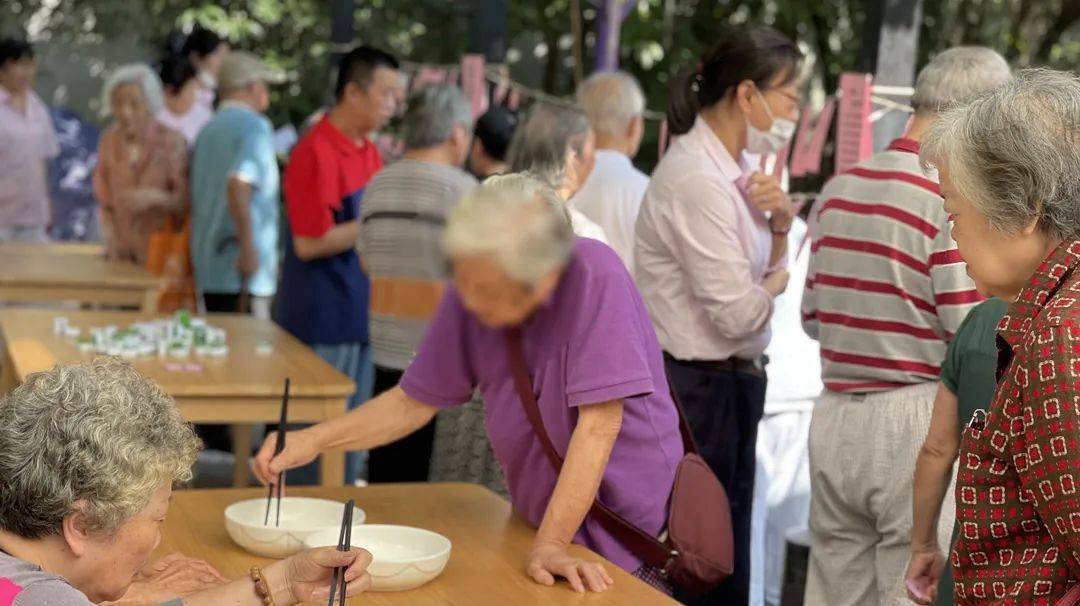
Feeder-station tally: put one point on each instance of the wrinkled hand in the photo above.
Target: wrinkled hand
(924, 571)
(300, 449)
(173, 576)
(765, 194)
(776, 282)
(548, 561)
(309, 573)
(247, 263)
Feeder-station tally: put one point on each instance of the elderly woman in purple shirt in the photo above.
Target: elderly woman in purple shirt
(596, 367)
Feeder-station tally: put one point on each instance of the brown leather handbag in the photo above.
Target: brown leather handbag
(698, 552)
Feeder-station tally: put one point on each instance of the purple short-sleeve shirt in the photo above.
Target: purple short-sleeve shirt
(592, 342)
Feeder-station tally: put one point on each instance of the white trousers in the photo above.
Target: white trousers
(862, 459)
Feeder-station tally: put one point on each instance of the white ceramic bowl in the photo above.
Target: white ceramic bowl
(300, 518)
(404, 557)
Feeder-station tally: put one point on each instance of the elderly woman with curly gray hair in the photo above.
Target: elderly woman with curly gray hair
(1009, 166)
(89, 455)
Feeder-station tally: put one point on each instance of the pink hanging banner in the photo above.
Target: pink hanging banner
(513, 100)
(474, 84)
(427, 75)
(821, 136)
(810, 142)
(502, 87)
(853, 135)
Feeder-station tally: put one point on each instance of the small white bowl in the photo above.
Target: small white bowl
(300, 518)
(404, 557)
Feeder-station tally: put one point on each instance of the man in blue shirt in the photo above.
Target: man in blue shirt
(235, 190)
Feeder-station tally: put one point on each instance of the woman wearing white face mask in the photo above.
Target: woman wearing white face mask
(710, 250)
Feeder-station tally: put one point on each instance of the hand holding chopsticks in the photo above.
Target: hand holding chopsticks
(344, 544)
(279, 446)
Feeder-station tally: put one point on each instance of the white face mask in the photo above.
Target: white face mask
(769, 141)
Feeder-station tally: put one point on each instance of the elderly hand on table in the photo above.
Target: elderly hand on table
(173, 576)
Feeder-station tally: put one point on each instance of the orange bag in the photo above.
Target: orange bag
(168, 256)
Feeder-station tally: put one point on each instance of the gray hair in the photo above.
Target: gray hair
(1014, 152)
(542, 143)
(432, 114)
(956, 75)
(611, 100)
(140, 75)
(98, 438)
(519, 220)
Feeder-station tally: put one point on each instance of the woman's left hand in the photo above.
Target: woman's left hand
(765, 193)
(547, 561)
(308, 573)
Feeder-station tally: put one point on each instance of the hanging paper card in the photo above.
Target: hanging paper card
(854, 141)
(474, 84)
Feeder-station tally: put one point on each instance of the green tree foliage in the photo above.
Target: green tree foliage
(659, 37)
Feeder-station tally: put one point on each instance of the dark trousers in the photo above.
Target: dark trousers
(408, 459)
(723, 408)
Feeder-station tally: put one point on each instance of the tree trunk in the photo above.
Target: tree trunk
(1070, 14)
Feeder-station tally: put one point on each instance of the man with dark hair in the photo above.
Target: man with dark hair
(493, 133)
(323, 298)
(27, 143)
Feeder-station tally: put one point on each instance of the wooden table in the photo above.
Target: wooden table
(72, 272)
(242, 388)
(486, 565)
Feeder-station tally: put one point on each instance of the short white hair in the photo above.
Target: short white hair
(139, 74)
(611, 100)
(957, 75)
(518, 220)
(1014, 152)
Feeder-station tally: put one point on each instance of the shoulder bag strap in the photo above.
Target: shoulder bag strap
(647, 547)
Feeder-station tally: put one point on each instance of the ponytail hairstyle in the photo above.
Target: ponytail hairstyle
(201, 42)
(176, 71)
(759, 54)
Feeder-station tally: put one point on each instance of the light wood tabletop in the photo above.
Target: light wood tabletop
(72, 272)
(487, 560)
(242, 388)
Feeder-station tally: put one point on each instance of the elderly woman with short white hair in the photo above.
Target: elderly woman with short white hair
(1009, 167)
(89, 454)
(521, 282)
(141, 179)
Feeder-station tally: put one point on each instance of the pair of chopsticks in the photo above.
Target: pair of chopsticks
(344, 544)
(279, 445)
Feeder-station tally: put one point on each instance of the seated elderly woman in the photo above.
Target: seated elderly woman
(557, 145)
(1009, 166)
(596, 368)
(140, 180)
(89, 454)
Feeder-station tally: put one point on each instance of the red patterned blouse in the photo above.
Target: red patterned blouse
(1017, 505)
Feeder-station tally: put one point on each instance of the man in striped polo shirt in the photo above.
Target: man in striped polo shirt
(885, 292)
(402, 219)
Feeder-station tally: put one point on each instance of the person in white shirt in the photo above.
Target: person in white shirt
(557, 145)
(611, 197)
(182, 110)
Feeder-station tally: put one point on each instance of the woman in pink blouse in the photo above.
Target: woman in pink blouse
(709, 255)
(140, 181)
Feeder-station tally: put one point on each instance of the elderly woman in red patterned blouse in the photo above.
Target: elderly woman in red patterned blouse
(1009, 164)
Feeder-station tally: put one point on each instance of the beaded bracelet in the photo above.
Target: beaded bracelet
(261, 588)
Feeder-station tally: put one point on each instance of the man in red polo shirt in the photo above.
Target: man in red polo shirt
(323, 298)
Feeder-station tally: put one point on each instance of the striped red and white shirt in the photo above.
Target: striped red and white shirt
(886, 288)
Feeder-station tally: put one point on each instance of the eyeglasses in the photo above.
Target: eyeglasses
(793, 97)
